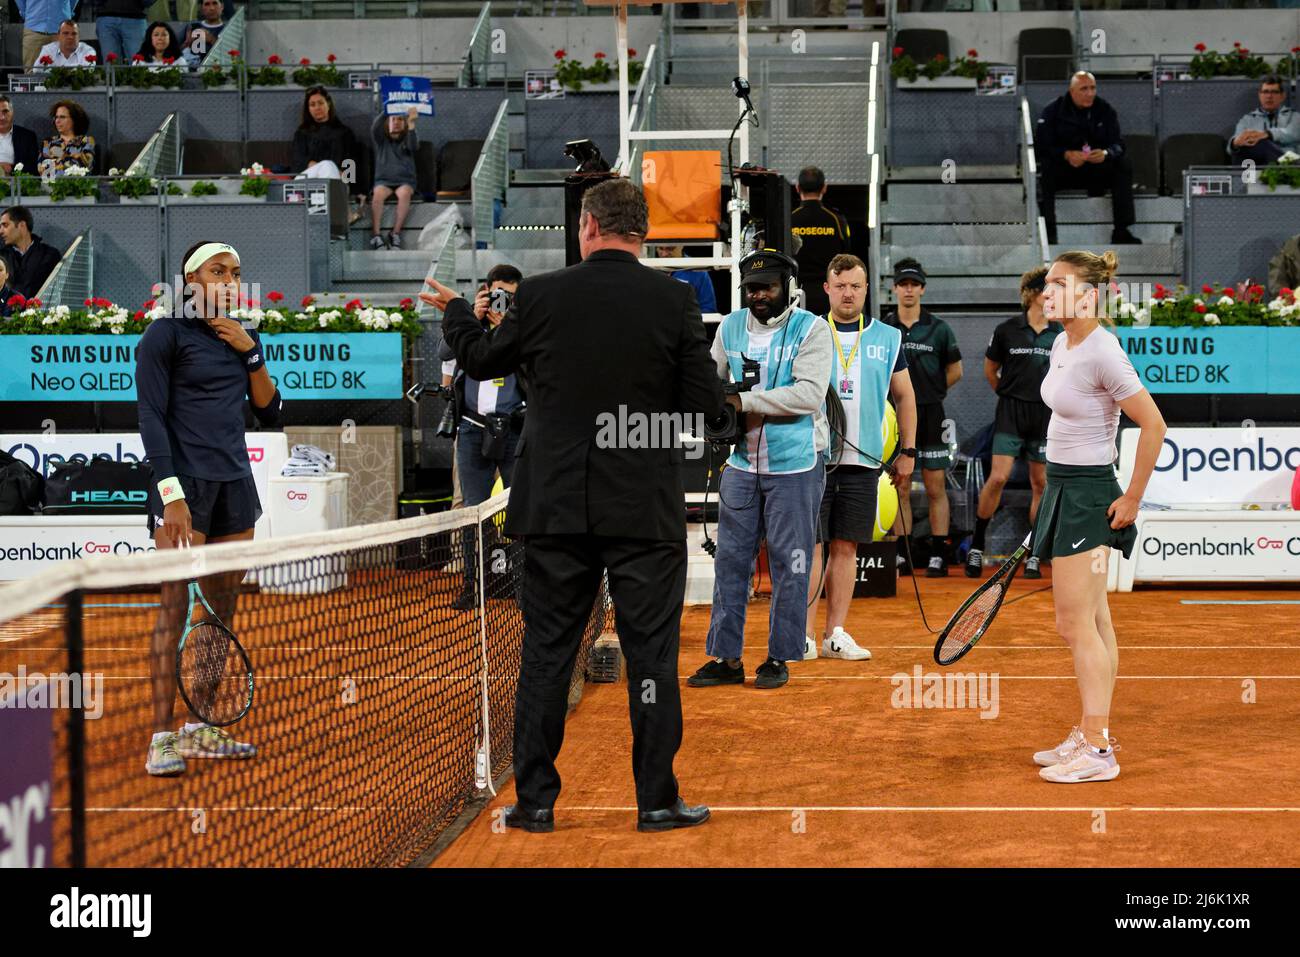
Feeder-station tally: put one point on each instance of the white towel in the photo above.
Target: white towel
(308, 460)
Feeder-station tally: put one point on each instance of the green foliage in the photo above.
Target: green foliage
(203, 188)
(255, 185)
(69, 187)
(134, 187)
(73, 77)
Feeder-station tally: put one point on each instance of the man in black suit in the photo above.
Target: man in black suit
(18, 144)
(605, 341)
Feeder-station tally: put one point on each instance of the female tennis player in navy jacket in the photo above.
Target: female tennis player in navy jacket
(1084, 513)
(193, 371)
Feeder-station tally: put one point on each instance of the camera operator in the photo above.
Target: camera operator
(774, 479)
(488, 420)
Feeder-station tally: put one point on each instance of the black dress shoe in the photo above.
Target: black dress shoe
(1122, 237)
(538, 822)
(679, 815)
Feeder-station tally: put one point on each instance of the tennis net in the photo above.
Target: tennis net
(381, 709)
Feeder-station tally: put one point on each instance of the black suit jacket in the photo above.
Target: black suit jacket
(27, 149)
(606, 334)
(30, 270)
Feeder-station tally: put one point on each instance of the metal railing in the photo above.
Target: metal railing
(161, 155)
(1029, 179)
(641, 114)
(879, 164)
(478, 55)
(72, 281)
(231, 38)
(490, 177)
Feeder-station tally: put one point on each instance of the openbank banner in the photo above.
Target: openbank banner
(1238, 359)
(30, 544)
(304, 365)
(1231, 465)
(1200, 550)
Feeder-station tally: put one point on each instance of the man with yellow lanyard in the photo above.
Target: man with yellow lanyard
(869, 368)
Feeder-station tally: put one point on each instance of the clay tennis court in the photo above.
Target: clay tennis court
(826, 772)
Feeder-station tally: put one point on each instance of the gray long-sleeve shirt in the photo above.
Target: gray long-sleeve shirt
(1284, 130)
(811, 371)
(394, 159)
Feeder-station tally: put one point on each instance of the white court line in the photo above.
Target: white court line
(155, 810)
(937, 809)
(793, 677)
(1199, 601)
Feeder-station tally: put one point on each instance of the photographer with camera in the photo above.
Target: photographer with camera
(487, 419)
(778, 358)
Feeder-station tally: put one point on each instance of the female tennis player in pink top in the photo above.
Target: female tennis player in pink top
(1083, 512)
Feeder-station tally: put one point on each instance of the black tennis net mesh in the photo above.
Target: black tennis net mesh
(385, 658)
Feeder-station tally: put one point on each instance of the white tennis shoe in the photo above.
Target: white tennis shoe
(840, 644)
(1084, 765)
(809, 648)
(1045, 759)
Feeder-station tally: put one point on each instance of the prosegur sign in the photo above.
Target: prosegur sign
(101, 368)
(1252, 360)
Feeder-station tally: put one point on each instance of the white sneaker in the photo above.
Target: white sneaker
(1045, 759)
(840, 644)
(164, 760)
(809, 648)
(1084, 765)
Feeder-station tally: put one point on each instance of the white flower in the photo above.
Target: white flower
(1211, 319)
(1142, 315)
(96, 322)
(323, 321)
(381, 322)
(75, 171)
(244, 171)
(311, 308)
(49, 320)
(112, 172)
(395, 318)
(157, 312)
(62, 310)
(1126, 309)
(28, 313)
(258, 169)
(1225, 301)
(274, 314)
(115, 330)
(1199, 301)
(18, 167)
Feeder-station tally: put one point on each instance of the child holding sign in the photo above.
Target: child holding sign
(395, 145)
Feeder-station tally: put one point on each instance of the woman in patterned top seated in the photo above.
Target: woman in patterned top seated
(72, 145)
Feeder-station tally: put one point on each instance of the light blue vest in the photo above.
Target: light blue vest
(871, 370)
(783, 444)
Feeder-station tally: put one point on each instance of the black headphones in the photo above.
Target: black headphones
(787, 263)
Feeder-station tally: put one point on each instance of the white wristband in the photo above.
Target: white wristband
(170, 490)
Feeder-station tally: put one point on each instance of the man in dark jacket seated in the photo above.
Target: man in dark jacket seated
(18, 144)
(33, 259)
(1079, 146)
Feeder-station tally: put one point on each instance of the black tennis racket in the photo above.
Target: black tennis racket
(972, 619)
(212, 669)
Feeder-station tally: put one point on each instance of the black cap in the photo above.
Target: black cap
(909, 270)
(760, 268)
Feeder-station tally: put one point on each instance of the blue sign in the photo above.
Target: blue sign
(101, 368)
(1205, 360)
(399, 93)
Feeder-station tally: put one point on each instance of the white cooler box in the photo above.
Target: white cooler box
(300, 505)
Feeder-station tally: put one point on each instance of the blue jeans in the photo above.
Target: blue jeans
(119, 35)
(785, 508)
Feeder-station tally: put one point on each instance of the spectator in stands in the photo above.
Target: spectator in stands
(697, 279)
(396, 143)
(120, 27)
(824, 234)
(201, 35)
(934, 363)
(1079, 146)
(159, 48)
(71, 145)
(1284, 268)
(41, 21)
(6, 290)
(1265, 134)
(322, 145)
(67, 50)
(18, 145)
(32, 258)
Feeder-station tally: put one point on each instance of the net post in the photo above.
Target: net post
(77, 731)
(484, 757)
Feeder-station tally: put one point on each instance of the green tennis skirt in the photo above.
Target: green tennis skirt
(1072, 514)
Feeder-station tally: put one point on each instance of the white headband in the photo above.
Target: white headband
(206, 252)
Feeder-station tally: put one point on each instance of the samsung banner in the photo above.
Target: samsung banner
(1237, 359)
(101, 368)
(1242, 466)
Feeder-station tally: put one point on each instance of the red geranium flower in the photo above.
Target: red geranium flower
(112, 58)
(631, 52)
(898, 51)
(940, 57)
(972, 53)
(1242, 52)
(406, 304)
(1200, 48)
(1285, 291)
(234, 54)
(1229, 293)
(331, 58)
(1200, 307)
(88, 302)
(304, 62)
(560, 54)
(352, 304)
(169, 60)
(149, 304)
(307, 301)
(1256, 290)
(33, 302)
(94, 59)
(1207, 289)
(1295, 49)
(1160, 291)
(138, 58)
(16, 301)
(103, 302)
(274, 59)
(46, 60)
(139, 315)
(275, 296)
(1236, 43)
(600, 55)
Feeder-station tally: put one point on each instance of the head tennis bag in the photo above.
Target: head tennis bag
(98, 487)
